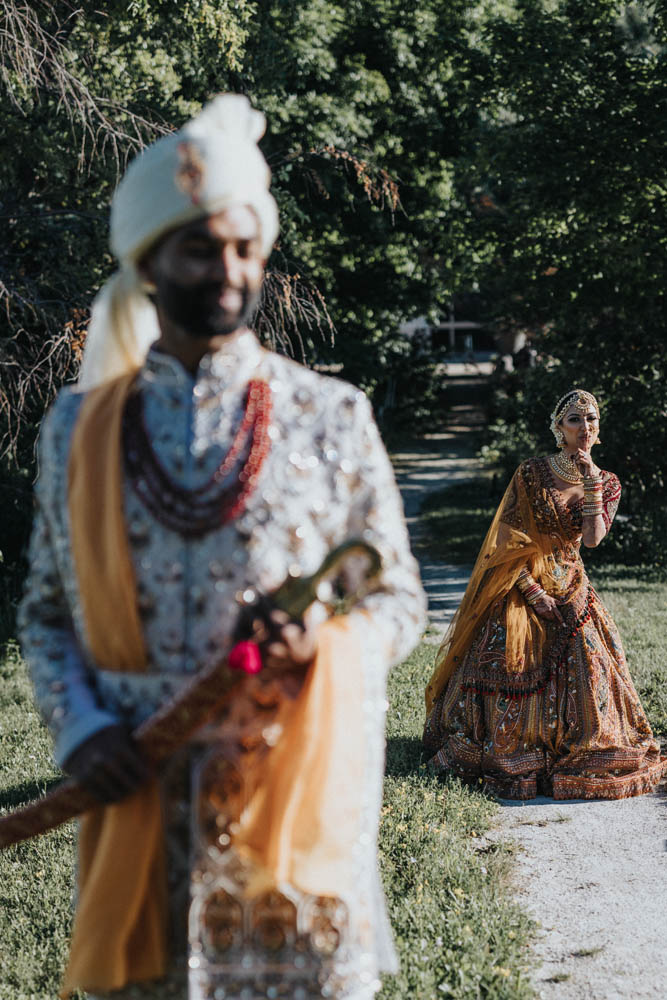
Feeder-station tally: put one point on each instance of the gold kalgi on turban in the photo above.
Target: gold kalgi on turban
(211, 164)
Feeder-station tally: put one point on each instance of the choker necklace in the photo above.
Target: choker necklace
(195, 512)
(565, 468)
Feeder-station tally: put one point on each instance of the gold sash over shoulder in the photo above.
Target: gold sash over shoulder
(302, 822)
(504, 553)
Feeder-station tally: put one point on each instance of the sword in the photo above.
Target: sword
(202, 698)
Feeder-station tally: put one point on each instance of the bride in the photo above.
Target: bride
(531, 691)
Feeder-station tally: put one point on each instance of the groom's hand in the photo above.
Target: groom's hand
(288, 648)
(108, 764)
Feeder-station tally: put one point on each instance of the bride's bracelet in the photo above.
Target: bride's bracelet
(530, 589)
(592, 496)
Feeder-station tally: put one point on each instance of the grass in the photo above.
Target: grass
(457, 930)
(455, 520)
(479, 948)
(457, 933)
(36, 876)
(636, 599)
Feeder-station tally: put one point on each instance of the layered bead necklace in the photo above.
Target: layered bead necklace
(565, 468)
(195, 512)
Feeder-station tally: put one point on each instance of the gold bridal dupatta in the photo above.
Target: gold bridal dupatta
(513, 541)
(303, 819)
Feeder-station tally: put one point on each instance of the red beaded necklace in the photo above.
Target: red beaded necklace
(195, 512)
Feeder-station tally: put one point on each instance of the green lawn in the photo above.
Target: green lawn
(36, 876)
(457, 930)
(637, 599)
(457, 933)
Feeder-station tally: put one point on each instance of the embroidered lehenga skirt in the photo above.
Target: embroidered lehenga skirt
(571, 725)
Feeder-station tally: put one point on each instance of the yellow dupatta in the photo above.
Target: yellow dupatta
(303, 820)
(513, 541)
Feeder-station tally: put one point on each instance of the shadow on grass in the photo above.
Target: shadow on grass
(455, 520)
(616, 575)
(404, 755)
(26, 791)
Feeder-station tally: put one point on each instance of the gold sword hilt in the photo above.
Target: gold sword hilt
(295, 595)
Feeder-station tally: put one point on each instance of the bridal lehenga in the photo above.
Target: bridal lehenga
(525, 705)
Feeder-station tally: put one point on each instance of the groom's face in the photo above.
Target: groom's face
(208, 273)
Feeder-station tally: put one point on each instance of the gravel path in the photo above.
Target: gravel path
(429, 465)
(592, 874)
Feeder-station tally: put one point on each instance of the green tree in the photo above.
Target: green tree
(512, 147)
(568, 171)
(366, 107)
(83, 91)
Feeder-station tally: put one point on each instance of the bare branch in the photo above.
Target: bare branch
(35, 362)
(33, 369)
(34, 60)
(289, 305)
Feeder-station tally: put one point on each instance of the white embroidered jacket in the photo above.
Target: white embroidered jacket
(327, 478)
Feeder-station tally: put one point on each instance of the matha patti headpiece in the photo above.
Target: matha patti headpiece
(577, 398)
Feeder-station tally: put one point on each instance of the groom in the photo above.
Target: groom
(189, 470)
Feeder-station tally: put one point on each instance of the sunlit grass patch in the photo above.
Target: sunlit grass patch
(637, 600)
(36, 877)
(458, 933)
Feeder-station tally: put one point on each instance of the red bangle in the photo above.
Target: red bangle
(245, 656)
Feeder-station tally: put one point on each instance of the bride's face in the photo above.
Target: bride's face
(580, 430)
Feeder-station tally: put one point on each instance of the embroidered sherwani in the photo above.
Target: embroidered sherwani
(326, 479)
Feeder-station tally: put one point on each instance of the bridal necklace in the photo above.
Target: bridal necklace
(194, 512)
(565, 468)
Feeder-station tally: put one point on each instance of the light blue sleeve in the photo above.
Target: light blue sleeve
(397, 604)
(64, 686)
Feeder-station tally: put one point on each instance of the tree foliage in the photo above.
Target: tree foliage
(571, 162)
(513, 148)
(364, 111)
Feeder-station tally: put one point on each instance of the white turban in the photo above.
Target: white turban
(213, 163)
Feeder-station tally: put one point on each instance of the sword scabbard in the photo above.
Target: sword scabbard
(203, 698)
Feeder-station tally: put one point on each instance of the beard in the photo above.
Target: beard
(197, 311)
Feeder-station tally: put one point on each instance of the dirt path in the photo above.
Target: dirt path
(592, 874)
(423, 467)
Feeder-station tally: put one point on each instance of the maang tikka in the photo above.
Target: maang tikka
(581, 402)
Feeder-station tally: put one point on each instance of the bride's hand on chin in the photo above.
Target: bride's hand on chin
(585, 463)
